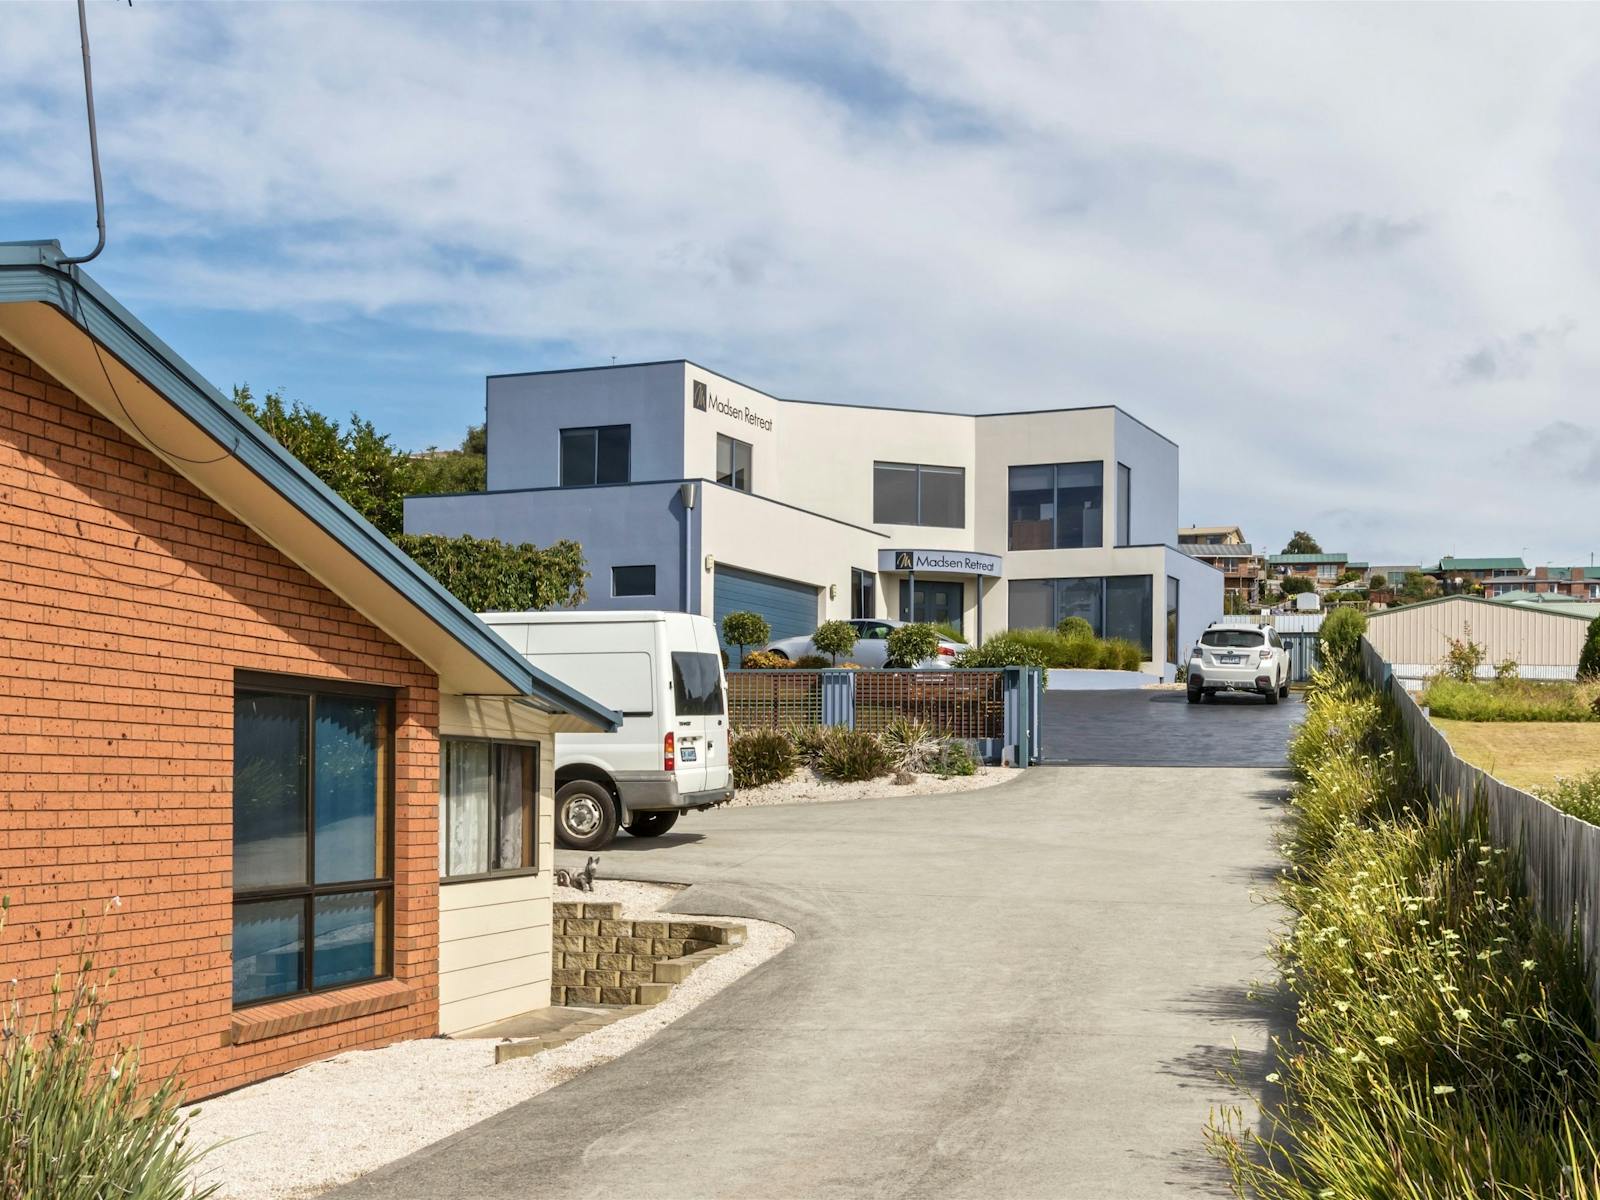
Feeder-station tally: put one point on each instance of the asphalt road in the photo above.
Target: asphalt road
(1161, 728)
(1027, 992)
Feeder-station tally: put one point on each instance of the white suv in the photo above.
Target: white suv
(1239, 658)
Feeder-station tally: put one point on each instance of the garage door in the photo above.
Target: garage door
(789, 607)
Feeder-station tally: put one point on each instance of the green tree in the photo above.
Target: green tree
(493, 576)
(910, 644)
(1589, 659)
(1302, 543)
(834, 638)
(1378, 582)
(436, 472)
(1293, 585)
(1416, 586)
(743, 629)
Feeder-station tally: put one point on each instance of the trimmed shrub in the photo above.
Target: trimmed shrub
(766, 660)
(1074, 627)
(1079, 653)
(1589, 658)
(1130, 655)
(910, 644)
(78, 1121)
(760, 756)
(1340, 639)
(492, 576)
(1512, 700)
(912, 745)
(834, 638)
(743, 629)
(811, 662)
(849, 755)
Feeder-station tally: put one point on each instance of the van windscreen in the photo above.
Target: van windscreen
(697, 684)
(1236, 639)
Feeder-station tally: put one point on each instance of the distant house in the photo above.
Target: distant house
(1322, 569)
(1224, 547)
(1468, 574)
(233, 705)
(1575, 583)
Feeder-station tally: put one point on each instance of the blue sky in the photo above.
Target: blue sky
(1345, 256)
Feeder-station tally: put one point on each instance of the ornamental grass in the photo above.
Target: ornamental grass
(1444, 1038)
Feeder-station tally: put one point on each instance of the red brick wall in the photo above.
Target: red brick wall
(127, 601)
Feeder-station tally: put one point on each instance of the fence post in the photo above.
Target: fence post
(1036, 707)
(839, 698)
(1019, 719)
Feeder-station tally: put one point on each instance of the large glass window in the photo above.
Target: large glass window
(488, 810)
(863, 602)
(1116, 606)
(599, 454)
(312, 809)
(733, 462)
(911, 494)
(1124, 505)
(1057, 506)
(1172, 620)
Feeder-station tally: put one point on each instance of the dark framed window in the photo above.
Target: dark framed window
(1124, 505)
(733, 463)
(488, 808)
(913, 494)
(863, 593)
(1172, 620)
(1057, 506)
(598, 454)
(697, 684)
(313, 820)
(1116, 606)
(634, 581)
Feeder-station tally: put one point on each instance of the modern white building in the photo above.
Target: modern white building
(689, 490)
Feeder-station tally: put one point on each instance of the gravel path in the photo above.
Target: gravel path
(329, 1122)
(805, 786)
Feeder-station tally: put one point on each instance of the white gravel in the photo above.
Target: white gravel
(805, 786)
(327, 1123)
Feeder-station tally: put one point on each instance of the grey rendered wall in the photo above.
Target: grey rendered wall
(1199, 600)
(616, 526)
(1154, 463)
(526, 414)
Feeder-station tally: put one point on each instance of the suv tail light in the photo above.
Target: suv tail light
(947, 651)
(1266, 654)
(669, 753)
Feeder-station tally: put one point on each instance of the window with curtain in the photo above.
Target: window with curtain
(913, 494)
(488, 808)
(312, 813)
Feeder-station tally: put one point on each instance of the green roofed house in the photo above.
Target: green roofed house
(1322, 569)
(1458, 574)
(1569, 583)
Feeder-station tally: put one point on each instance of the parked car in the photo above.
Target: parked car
(1239, 658)
(663, 672)
(872, 645)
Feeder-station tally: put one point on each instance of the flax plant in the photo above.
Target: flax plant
(75, 1122)
(1444, 1039)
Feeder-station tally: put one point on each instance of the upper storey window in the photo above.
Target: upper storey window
(1057, 506)
(911, 494)
(598, 454)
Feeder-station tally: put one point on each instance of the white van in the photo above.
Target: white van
(663, 672)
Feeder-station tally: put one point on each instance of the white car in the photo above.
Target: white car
(1239, 658)
(872, 645)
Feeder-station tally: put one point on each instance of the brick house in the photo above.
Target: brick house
(1224, 547)
(1575, 583)
(226, 700)
(1471, 574)
(1323, 570)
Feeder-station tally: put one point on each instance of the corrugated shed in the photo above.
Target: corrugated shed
(1417, 636)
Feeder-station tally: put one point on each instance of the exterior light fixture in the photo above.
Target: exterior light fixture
(711, 561)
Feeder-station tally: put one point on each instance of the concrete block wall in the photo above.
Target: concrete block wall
(601, 958)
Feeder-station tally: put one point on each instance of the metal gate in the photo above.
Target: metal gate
(1305, 654)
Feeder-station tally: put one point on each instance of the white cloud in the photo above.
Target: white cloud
(1302, 222)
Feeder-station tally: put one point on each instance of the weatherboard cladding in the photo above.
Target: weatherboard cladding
(27, 274)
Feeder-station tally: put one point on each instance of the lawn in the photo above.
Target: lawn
(1526, 754)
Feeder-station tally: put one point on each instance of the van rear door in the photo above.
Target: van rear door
(719, 771)
(698, 704)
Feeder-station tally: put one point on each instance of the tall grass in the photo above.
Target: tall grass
(1443, 1042)
(1577, 795)
(77, 1123)
(1512, 700)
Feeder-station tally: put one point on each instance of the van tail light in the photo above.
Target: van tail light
(947, 651)
(669, 753)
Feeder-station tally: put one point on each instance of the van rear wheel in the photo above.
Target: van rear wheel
(586, 815)
(651, 824)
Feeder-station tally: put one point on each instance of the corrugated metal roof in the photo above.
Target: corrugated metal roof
(1477, 564)
(1289, 560)
(1228, 550)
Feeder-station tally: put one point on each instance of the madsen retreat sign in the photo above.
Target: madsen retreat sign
(963, 562)
(706, 401)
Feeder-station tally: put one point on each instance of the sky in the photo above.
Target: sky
(1348, 257)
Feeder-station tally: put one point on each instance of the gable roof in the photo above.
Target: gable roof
(63, 320)
(1552, 609)
(1475, 564)
(1292, 560)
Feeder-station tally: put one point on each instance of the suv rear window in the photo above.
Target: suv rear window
(1236, 639)
(697, 684)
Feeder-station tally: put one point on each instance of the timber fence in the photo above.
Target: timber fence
(1560, 853)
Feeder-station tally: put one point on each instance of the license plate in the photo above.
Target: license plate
(1230, 659)
(687, 753)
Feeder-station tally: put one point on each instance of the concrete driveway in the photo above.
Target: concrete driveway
(1027, 992)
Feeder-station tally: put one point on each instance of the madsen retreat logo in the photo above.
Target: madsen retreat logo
(704, 401)
(903, 561)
